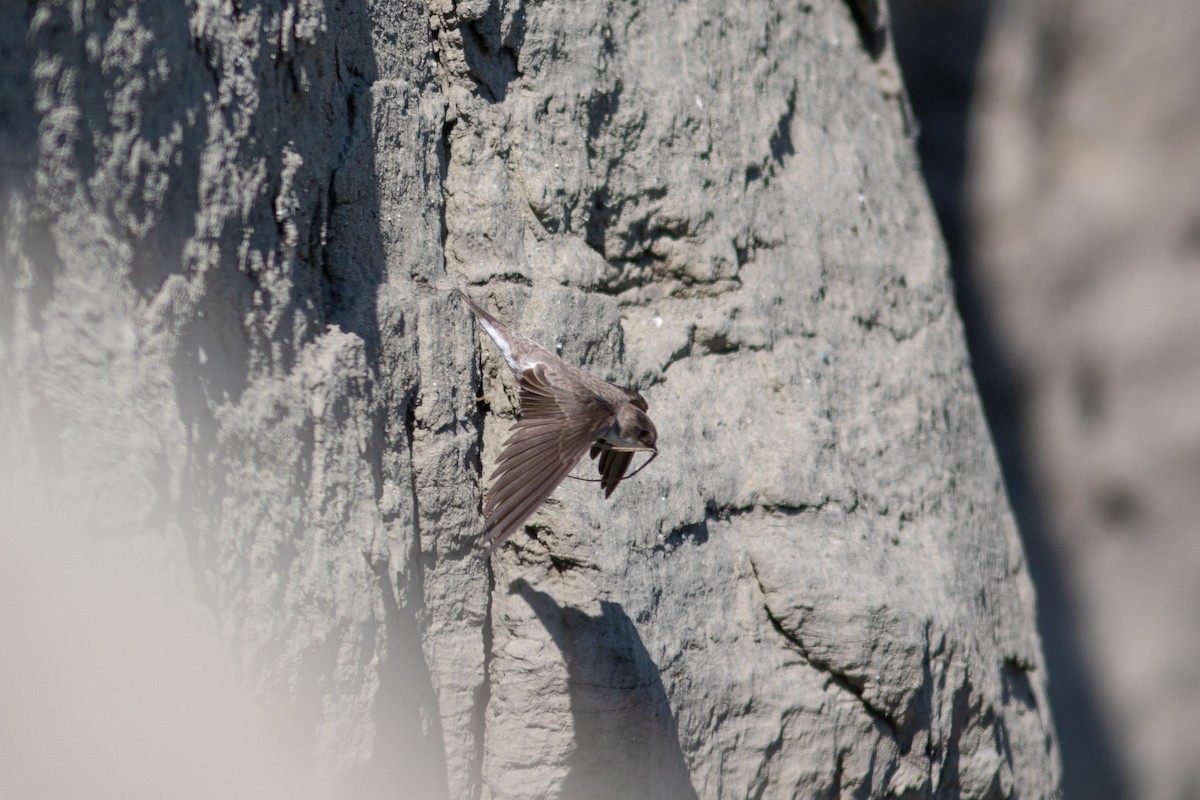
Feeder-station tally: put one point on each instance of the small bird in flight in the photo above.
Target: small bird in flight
(565, 412)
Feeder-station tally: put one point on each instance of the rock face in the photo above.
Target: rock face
(1087, 146)
(229, 351)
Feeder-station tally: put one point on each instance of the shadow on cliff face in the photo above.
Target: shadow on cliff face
(938, 52)
(343, 267)
(491, 44)
(626, 739)
(234, 295)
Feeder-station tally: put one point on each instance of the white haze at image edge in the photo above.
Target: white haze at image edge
(112, 681)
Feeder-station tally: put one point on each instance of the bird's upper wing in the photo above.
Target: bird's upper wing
(635, 398)
(557, 426)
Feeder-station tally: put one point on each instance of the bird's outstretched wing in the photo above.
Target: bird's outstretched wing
(556, 428)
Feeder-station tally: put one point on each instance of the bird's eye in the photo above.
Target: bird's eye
(644, 434)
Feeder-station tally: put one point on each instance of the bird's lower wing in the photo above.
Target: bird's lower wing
(613, 466)
(555, 430)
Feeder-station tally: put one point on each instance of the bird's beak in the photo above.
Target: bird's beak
(653, 451)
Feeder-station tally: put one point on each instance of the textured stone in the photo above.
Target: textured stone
(227, 250)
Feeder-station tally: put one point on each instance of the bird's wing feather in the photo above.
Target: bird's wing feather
(556, 428)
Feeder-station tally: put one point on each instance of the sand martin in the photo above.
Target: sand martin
(565, 412)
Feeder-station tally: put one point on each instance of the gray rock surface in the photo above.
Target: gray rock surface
(228, 349)
(1087, 146)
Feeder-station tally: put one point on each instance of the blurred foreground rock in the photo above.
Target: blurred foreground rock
(227, 348)
(1087, 212)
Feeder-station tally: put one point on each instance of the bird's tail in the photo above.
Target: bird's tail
(497, 330)
(477, 309)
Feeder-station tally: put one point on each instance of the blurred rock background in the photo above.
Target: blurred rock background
(1061, 143)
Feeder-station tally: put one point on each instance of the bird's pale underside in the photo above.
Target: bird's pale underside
(565, 413)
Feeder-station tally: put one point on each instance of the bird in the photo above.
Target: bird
(565, 412)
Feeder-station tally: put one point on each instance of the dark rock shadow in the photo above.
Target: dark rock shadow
(26, 218)
(626, 739)
(408, 760)
(342, 280)
(938, 47)
(492, 47)
(326, 261)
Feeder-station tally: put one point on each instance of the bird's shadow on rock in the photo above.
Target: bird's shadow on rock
(626, 739)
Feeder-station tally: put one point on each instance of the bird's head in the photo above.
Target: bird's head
(635, 431)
